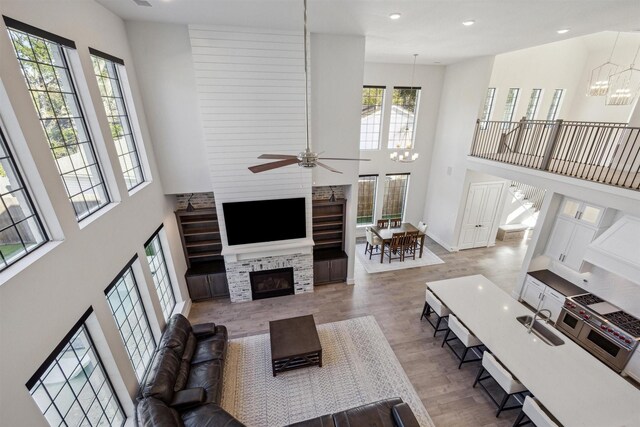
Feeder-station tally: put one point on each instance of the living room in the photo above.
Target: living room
(198, 123)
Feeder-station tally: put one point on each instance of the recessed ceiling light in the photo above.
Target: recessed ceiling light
(468, 23)
(395, 16)
(563, 31)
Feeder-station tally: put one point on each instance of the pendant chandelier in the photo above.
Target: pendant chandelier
(598, 84)
(624, 87)
(404, 151)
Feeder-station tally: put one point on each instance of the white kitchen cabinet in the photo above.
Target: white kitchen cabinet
(633, 367)
(540, 296)
(571, 235)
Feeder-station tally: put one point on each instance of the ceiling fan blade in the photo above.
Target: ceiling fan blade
(277, 156)
(322, 165)
(273, 165)
(342, 158)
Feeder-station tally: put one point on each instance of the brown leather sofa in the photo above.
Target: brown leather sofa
(385, 413)
(183, 385)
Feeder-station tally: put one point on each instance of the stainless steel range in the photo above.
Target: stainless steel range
(603, 329)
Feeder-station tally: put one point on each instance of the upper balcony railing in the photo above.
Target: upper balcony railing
(608, 153)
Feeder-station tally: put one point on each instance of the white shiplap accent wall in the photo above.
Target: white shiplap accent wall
(250, 84)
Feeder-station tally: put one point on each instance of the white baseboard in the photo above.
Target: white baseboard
(183, 307)
(439, 241)
(350, 281)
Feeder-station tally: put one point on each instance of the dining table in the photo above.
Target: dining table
(385, 234)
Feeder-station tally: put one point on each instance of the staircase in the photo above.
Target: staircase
(527, 201)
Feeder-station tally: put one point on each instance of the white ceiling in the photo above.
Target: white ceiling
(430, 28)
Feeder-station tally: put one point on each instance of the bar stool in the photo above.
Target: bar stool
(462, 334)
(536, 414)
(510, 385)
(433, 305)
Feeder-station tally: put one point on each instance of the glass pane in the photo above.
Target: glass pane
(590, 214)
(403, 112)
(395, 193)
(366, 199)
(157, 263)
(570, 208)
(371, 118)
(56, 103)
(510, 106)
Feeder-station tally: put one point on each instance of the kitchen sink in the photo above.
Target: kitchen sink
(541, 331)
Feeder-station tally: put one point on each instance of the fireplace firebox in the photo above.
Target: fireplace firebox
(271, 283)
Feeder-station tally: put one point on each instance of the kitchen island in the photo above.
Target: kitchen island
(574, 386)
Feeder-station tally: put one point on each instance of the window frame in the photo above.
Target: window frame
(383, 98)
(128, 269)
(69, 65)
(36, 379)
(510, 108)
(391, 145)
(170, 285)
(405, 196)
(6, 145)
(374, 203)
(489, 101)
(555, 105)
(532, 109)
(128, 114)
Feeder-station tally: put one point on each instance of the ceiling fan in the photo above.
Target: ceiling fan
(306, 158)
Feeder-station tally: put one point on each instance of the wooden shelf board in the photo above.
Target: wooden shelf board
(204, 255)
(326, 224)
(200, 233)
(198, 221)
(336, 215)
(204, 243)
(328, 242)
(321, 233)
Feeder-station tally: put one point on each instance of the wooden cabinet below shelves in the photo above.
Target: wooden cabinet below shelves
(207, 280)
(329, 266)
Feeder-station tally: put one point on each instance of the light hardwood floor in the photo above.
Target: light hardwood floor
(396, 300)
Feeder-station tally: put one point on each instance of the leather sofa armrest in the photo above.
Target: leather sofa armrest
(188, 398)
(403, 416)
(203, 330)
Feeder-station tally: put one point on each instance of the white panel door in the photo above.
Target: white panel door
(487, 214)
(581, 238)
(560, 238)
(472, 211)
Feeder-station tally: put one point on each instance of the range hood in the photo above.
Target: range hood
(618, 249)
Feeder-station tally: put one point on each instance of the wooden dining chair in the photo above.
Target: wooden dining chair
(410, 244)
(395, 247)
(383, 223)
(396, 223)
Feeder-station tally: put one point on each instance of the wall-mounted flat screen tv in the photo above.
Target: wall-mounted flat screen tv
(265, 220)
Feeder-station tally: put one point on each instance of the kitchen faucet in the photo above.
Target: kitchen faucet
(533, 321)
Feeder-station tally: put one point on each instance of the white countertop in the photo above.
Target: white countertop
(573, 385)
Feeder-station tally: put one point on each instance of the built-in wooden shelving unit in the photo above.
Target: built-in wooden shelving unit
(329, 258)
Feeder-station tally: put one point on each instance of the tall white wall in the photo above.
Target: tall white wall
(167, 82)
(465, 85)
(548, 67)
(337, 65)
(430, 79)
(40, 304)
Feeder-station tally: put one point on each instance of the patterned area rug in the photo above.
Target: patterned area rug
(374, 265)
(359, 367)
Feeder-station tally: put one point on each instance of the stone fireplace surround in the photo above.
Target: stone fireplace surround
(238, 273)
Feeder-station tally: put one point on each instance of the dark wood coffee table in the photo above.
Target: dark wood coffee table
(294, 344)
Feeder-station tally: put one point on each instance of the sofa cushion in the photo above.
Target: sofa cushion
(155, 413)
(377, 414)
(210, 415)
(403, 416)
(162, 374)
(176, 334)
(212, 348)
(207, 375)
(183, 372)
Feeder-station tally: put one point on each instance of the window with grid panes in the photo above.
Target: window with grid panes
(534, 100)
(43, 61)
(510, 106)
(160, 273)
(402, 123)
(488, 106)
(371, 118)
(555, 104)
(130, 316)
(395, 196)
(366, 199)
(111, 91)
(21, 229)
(72, 388)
